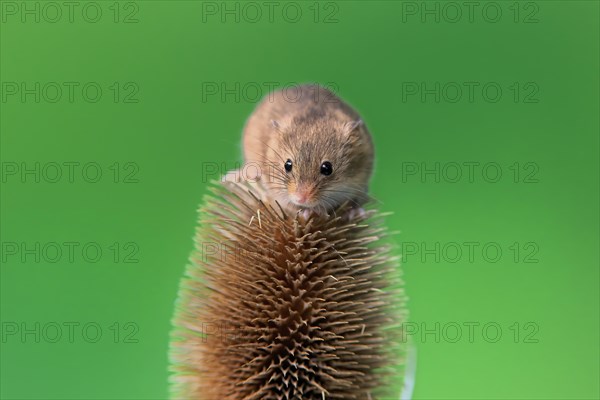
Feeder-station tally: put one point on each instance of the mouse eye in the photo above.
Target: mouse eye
(326, 168)
(288, 165)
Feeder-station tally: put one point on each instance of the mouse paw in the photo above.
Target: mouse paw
(305, 213)
(357, 213)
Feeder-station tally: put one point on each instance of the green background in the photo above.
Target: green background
(370, 52)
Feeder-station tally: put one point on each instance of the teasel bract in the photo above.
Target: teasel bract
(275, 305)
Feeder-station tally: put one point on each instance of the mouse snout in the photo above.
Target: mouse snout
(303, 196)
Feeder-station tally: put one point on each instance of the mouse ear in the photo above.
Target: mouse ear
(352, 125)
(277, 126)
(281, 125)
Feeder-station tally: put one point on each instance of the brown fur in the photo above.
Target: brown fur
(312, 125)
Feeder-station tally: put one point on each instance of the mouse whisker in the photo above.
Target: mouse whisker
(274, 151)
(330, 205)
(354, 191)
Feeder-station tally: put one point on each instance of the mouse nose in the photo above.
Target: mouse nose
(302, 196)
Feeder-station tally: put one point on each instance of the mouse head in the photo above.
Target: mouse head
(319, 164)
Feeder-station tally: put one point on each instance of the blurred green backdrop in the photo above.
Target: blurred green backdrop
(115, 114)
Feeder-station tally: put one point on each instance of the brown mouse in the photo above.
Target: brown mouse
(310, 148)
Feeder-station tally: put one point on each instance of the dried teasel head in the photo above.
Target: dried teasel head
(277, 306)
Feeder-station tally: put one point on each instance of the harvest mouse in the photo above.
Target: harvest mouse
(310, 148)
